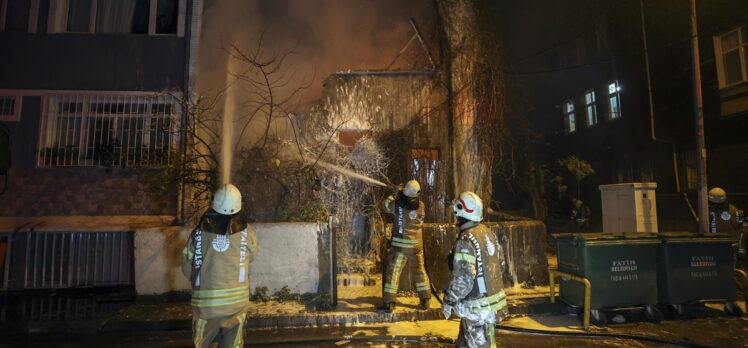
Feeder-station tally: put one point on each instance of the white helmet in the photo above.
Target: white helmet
(227, 200)
(469, 206)
(412, 189)
(717, 195)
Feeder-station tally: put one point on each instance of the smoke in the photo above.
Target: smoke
(327, 35)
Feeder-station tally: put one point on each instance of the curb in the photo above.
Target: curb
(520, 307)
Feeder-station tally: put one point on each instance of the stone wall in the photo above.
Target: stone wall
(522, 247)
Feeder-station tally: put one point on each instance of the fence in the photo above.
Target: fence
(56, 260)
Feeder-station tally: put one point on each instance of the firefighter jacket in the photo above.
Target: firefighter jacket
(216, 260)
(407, 233)
(476, 290)
(724, 218)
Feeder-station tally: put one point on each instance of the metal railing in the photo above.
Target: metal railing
(553, 273)
(56, 260)
(109, 130)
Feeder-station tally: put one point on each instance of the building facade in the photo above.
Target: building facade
(580, 78)
(89, 99)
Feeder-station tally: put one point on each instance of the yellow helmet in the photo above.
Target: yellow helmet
(717, 195)
(412, 189)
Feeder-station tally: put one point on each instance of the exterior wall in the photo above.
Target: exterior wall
(92, 62)
(34, 191)
(296, 255)
(34, 62)
(622, 150)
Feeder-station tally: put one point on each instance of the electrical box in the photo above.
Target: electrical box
(629, 207)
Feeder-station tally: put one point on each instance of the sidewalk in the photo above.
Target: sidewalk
(356, 305)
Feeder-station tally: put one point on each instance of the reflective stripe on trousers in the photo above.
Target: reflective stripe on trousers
(228, 332)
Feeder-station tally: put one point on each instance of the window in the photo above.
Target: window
(731, 57)
(118, 16)
(614, 100)
(569, 122)
(109, 130)
(10, 108)
(18, 15)
(590, 107)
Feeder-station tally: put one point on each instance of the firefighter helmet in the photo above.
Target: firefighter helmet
(412, 189)
(227, 200)
(717, 195)
(469, 206)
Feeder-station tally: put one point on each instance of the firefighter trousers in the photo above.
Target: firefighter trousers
(475, 335)
(398, 260)
(228, 332)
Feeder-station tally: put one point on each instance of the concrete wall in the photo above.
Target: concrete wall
(290, 254)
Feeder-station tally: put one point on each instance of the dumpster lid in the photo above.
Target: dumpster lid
(699, 236)
(607, 236)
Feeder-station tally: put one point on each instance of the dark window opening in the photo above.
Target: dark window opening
(166, 16)
(79, 16)
(17, 15)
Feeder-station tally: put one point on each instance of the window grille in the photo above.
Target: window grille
(108, 130)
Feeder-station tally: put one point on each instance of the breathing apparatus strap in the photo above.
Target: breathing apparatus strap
(479, 278)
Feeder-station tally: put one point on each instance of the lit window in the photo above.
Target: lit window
(732, 59)
(590, 107)
(117, 16)
(10, 108)
(614, 100)
(569, 122)
(108, 130)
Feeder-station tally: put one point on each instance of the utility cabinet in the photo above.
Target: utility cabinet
(629, 207)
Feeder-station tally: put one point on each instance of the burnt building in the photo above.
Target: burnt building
(577, 71)
(87, 99)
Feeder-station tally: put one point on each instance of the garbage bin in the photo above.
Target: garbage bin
(620, 266)
(696, 268)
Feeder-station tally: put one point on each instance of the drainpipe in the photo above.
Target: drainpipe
(699, 118)
(653, 135)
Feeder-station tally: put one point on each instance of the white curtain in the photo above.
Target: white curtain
(58, 21)
(114, 16)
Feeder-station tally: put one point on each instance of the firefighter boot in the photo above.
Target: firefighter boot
(424, 304)
(386, 307)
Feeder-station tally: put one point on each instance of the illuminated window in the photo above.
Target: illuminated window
(614, 100)
(732, 59)
(569, 122)
(590, 107)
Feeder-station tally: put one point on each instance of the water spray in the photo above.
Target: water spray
(347, 172)
(227, 135)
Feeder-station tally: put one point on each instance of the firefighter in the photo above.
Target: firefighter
(405, 246)
(475, 292)
(216, 260)
(725, 217)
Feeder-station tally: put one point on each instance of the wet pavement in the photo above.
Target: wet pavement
(710, 332)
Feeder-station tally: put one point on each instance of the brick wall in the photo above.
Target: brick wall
(83, 191)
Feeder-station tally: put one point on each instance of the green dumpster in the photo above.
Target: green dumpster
(620, 266)
(696, 267)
